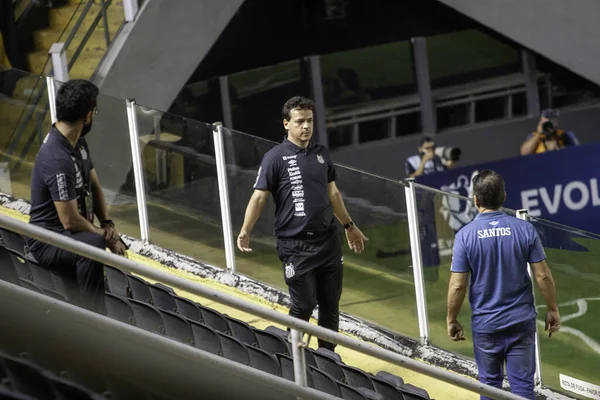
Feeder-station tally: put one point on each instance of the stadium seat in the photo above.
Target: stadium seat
(139, 289)
(13, 242)
(263, 361)
(188, 309)
(177, 327)
(324, 382)
(20, 265)
(167, 288)
(117, 282)
(214, 319)
(233, 349)
(386, 389)
(331, 354)
(357, 378)
(411, 392)
(27, 378)
(8, 272)
(329, 365)
(270, 342)
(31, 286)
(277, 331)
(206, 338)
(242, 331)
(147, 317)
(286, 364)
(119, 308)
(392, 379)
(350, 393)
(162, 298)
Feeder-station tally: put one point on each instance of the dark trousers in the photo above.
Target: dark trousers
(314, 275)
(84, 278)
(514, 346)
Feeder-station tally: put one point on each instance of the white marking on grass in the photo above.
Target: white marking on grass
(582, 307)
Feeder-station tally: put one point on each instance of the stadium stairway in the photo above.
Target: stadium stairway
(221, 330)
(57, 23)
(60, 18)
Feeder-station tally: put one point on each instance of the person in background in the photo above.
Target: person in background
(427, 162)
(548, 136)
(490, 255)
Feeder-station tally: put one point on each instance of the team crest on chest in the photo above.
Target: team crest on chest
(320, 158)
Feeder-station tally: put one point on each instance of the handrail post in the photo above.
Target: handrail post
(59, 62)
(417, 259)
(523, 214)
(224, 196)
(105, 21)
(51, 85)
(138, 171)
(131, 9)
(298, 357)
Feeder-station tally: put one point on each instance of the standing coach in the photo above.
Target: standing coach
(301, 177)
(66, 194)
(495, 249)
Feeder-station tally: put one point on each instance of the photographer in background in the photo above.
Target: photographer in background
(548, 136)
(431, 158)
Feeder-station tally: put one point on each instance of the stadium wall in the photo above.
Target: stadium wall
(479, 144)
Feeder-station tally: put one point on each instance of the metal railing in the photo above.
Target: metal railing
(298, 327)
(470, 94)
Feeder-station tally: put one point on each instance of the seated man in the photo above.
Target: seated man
(548, 136)
(66, 193)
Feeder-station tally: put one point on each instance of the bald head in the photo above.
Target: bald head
(489, 190)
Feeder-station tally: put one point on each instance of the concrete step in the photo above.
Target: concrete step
(63, 21)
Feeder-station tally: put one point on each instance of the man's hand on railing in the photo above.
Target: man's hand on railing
(118, 248)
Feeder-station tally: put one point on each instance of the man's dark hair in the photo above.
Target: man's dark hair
(424, 140)
(75, 99)
(297, 102)
(488, 186)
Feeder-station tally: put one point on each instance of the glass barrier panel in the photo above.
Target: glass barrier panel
(257, 96)
(353, 84)
(22, 128)
(110, 151)
(182, 190)
(454, 55)
(378, 284)
(575, 350)
(440, 216)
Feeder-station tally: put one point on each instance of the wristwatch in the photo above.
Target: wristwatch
(108, 222)
(348, 225)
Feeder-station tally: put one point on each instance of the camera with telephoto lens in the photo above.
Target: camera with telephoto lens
(548, 130)
(448, 153)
